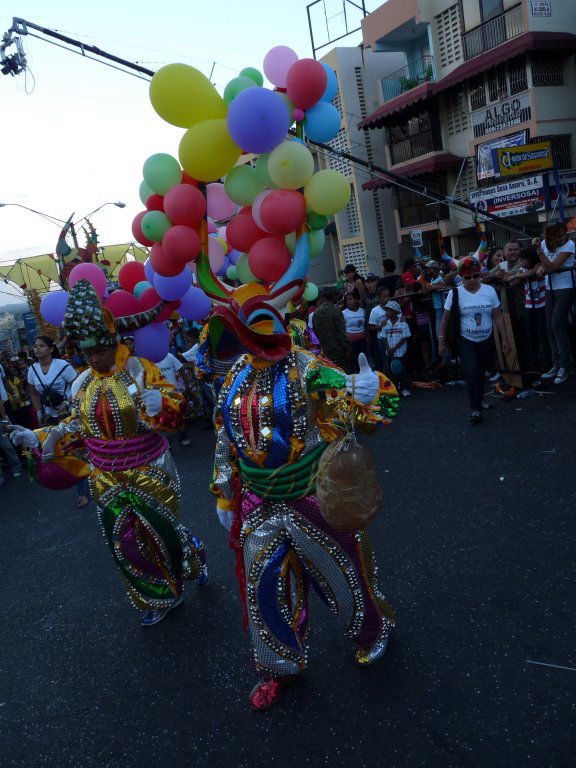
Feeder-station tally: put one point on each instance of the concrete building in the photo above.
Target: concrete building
(477, 74)
(364, 233)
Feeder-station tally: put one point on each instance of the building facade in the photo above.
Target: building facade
(476, 75)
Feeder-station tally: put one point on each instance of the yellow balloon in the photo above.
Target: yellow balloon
(207, 152)
(327, 192)
(183, 96)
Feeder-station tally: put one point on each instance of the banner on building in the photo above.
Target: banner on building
(504, 114)
(512, 198)
(416, 238)
(484, 157)
(528, 158)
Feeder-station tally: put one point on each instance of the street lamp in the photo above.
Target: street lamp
(54, 219)
(118, 204)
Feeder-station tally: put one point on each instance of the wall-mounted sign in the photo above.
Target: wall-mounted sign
(511, 199)
(416, 238)
(528, 158)
(504, 114)
(484, 160)
(541, 7)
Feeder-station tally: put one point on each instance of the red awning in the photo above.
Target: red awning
(526, 42)
(440, 161)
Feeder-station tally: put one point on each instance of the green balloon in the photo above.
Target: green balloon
(154, 225)
(291, 165)
(145, 192)
(243, 273)
(254, 75)
(316, 220)
(317, 240)
(231, 272)
(162, 172)
(236, 86)
(242, 185)
(261, 169)
(310, 292)
(327, 192)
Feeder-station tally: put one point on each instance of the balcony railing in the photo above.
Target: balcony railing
(493, 32)
(408, 77)
(414, 146)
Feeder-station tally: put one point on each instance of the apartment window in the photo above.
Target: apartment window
(419, 135)
(497, 83)
(412, 207)
(547, 69)
(477, 92)
(562, 146)
(517, 75)
(491, 8)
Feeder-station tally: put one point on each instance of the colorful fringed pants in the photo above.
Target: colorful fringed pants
(286, 547)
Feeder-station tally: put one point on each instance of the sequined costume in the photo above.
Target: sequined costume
(274, 421)
(277, 410)
(110, 438)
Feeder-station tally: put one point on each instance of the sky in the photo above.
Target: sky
(75, 133)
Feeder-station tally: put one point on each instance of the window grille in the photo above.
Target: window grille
(355, 254)
(497, 83)
(477, 92)
(547, 69)
(458, 117)
(562, 146)
(517, 75)
(449, 36)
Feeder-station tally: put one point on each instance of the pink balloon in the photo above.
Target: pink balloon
(277, 62)
(89, 272)
(268, 259)
(222, 232)
(298, 114)
(137, 229)
(122, 303)
(282, 211)
(181, 244)
(258, 200)
(219, 204)
(215, 254)
(184, 204)
(212, 228)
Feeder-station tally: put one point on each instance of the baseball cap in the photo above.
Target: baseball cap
(371, 276)
(393, 305)
(469, 266)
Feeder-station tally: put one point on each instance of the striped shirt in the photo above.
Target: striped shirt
(534, 293)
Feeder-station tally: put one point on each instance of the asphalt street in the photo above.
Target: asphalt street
(475, 545)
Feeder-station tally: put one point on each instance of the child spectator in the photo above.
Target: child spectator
(355, 319)
(395, 334)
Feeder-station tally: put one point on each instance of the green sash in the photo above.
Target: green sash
(288, 482)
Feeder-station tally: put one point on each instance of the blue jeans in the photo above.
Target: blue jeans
(475, 357)
(9, 452)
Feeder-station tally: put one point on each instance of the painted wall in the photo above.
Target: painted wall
(563, 18)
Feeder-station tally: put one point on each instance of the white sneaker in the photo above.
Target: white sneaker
(495, 377)
(551, 374)
(405, 393)
(561, 377)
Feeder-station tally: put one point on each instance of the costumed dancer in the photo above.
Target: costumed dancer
(278, 409)
(120, 407)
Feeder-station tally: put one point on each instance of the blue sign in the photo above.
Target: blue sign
(30, 327)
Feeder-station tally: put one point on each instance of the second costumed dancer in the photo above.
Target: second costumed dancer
(278, 409)
(121, 405)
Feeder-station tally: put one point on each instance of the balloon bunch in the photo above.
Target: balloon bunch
(279, 196)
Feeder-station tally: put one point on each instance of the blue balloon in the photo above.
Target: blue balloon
(140, 287)
(233, 256)
(149, 271)
(322, 122)
(195, 305)
(152, 342)
(258, 120)
(331, 85)
(396, 367)
(172, 288)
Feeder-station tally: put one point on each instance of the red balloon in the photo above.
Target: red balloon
(181, 244)
(137, 229)
(243, 211)
(155, 203)
(184, 204)
(283, 211)
(268, 259)
(306, 82)
(150, 298)
(242, 232)
(188, 179)
(131, 273)
(161, 264)
(122, 303)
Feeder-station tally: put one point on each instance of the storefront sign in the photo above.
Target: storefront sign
(504, 114)
(541, 7)
(528, 158)
(511, 199)
(484, 160)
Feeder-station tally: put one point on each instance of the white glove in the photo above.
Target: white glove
(22, 436)
(226, 516)
(364, 384)
(152, 399)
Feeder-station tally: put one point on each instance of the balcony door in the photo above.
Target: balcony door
(491, 8)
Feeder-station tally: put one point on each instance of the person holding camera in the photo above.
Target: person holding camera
(49, 380)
